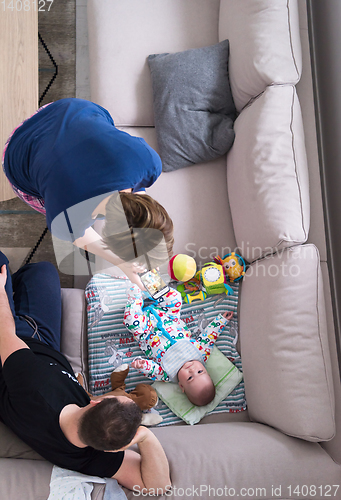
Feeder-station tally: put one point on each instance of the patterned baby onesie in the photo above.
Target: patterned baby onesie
(164, 337)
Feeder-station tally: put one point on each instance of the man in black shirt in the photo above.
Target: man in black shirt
(43, 403)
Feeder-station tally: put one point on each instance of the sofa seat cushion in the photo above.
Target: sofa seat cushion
(284, 345)
(27, 479)
(240, 456)
(267, 175)
(118, 49)
(188, 195)
(264, 44)
(11, 446)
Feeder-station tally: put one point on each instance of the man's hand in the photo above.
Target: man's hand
(141, 434)
(147, 470)
(3, 277)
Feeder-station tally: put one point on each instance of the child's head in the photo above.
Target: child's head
(196, 383)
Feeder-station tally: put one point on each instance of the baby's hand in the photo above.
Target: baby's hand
(133, 293)
(138, 363)
(228, 315)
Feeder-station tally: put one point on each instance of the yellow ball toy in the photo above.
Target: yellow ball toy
(182, 267)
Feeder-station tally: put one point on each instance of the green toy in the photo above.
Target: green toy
(213, 279)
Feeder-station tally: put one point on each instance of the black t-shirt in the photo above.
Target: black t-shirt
(35, 385)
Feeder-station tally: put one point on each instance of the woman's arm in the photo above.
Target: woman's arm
(93, 242)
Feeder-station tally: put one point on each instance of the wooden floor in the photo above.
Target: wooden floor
(22, 54)
(57, 28)
(19, 73)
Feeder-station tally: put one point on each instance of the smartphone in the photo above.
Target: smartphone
(154, 283)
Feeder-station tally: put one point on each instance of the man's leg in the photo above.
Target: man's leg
(22, 328)
(37, 296)
(9, 340)
(8, 286)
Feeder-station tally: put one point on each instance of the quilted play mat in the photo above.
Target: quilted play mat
(110, 344)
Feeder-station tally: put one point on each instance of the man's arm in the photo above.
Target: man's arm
(9, 342)
(147, 471)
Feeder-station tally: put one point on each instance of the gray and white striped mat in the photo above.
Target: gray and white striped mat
(110, 344)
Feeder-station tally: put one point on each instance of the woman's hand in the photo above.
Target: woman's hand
(92, 242)
(131, 270)
(3, 277)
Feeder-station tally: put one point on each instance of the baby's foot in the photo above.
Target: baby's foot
(121, 368)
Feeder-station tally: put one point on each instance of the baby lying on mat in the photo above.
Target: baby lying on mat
(174, 355)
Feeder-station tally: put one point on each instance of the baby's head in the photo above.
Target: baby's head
(196, 383)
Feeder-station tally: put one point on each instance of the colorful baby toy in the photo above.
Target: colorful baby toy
(213, 279)
(191, 296)
(233, 264)
(182, 267)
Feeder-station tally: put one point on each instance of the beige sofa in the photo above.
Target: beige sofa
(288, 443)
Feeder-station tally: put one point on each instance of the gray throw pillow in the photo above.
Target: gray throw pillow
(193, 105)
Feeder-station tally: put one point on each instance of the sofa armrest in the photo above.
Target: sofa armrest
(284, 345)
(27, 479)
(74, 335)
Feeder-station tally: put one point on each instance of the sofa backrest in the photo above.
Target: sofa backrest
(265, 45)
(120, 77)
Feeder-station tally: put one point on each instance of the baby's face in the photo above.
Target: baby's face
(193, 376)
